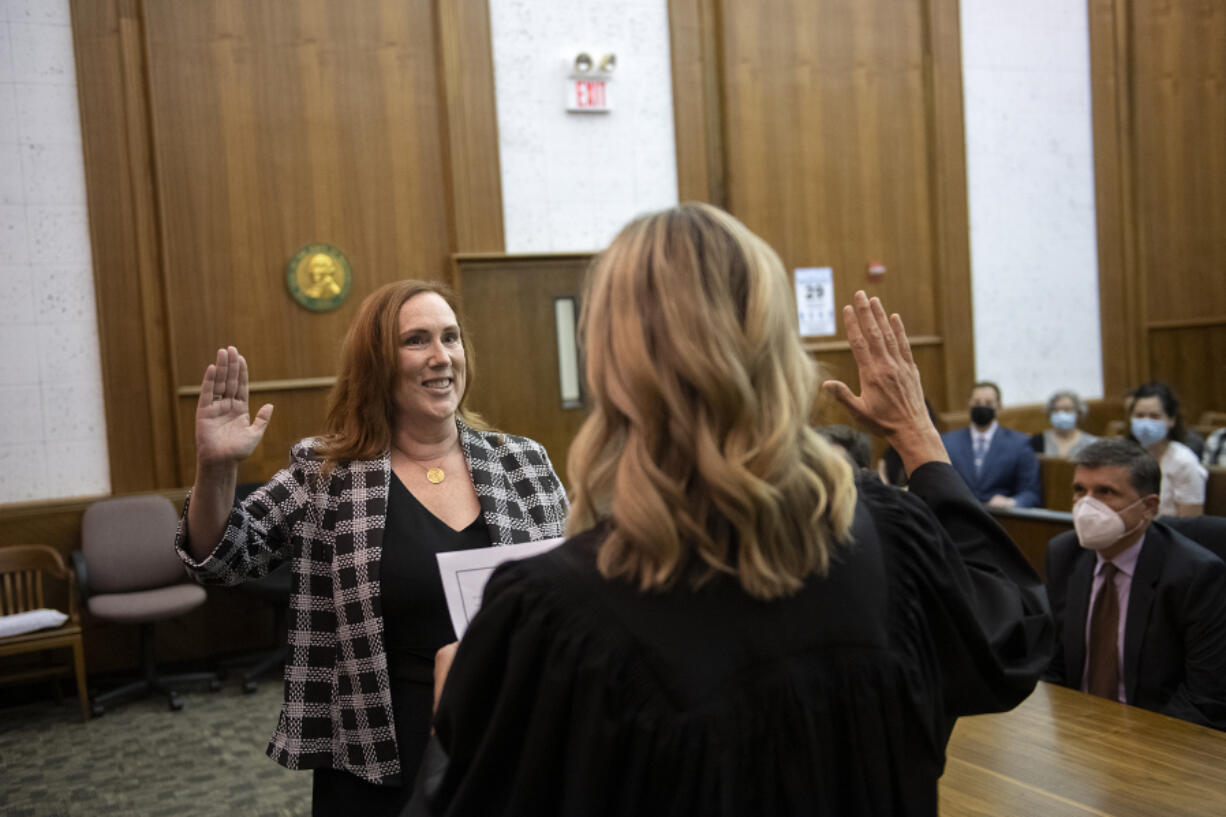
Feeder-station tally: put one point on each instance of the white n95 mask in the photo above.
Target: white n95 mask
(1097, 525)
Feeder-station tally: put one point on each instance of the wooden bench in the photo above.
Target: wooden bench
(1056, 476)
(1056, 479)
(1032, 417)
(1215, 491)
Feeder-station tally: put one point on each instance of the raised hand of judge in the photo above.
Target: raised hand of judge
(225, 435)
(225, 432)
(891, 399)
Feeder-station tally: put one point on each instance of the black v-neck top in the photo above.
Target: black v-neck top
(415, 619)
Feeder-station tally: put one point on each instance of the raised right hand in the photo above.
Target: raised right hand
(225, 433)
(891, 399)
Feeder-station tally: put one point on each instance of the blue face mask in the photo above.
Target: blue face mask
(1148, 431)
(1064, 420)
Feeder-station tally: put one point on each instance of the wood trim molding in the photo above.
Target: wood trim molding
(108, 41)
(844, 346)
(695, 28)
(1186, 323)
(512, 262)
(947, 139)
(1119, 284)
(474, 258)
(57, 522)
(11, 511)
(294, 384)
(470, 124)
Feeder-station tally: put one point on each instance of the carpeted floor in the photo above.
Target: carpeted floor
(143, 760)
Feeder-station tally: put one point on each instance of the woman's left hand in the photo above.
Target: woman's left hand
(442, 663)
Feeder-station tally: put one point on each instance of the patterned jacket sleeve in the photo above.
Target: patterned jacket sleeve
(557, 496)
(261, 529)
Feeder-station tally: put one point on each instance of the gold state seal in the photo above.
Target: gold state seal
(319, 277)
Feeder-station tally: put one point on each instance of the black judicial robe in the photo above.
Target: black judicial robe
(575, 695)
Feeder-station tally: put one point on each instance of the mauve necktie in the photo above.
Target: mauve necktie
(981, 448)
(1104, 672)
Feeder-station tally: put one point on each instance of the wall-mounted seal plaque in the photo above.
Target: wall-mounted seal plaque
(319, 277)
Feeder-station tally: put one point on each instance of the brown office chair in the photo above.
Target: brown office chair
(22, 570)
(129, 573)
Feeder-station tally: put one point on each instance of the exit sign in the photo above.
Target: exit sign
(588, 95)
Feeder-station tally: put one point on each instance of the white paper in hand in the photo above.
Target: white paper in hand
(465, 572)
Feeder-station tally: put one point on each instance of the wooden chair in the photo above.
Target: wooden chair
(1209, 422)
(22, 569)
(1056, 474)
(1215, 491)
(1212, 419)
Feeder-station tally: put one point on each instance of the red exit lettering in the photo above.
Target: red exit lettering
(589, 93)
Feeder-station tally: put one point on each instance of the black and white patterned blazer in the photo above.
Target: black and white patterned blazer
(338, 708)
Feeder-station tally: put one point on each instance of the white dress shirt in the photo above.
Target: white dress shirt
(986, 437)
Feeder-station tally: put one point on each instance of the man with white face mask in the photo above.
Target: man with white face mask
(1140, 610)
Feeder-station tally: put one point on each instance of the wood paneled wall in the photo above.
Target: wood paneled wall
(833, 129)
(1159, 94)
(223, 135)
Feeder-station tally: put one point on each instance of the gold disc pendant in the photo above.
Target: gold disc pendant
(435, 475)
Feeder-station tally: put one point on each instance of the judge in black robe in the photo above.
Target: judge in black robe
(576, 694)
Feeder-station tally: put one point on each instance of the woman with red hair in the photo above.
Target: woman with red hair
(402, 471)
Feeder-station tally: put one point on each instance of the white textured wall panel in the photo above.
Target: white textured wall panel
(1034, 260)
(52, 421)
(571, 180)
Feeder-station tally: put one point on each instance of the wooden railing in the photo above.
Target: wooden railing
(1056, 474)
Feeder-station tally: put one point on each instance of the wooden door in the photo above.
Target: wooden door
(509, 306)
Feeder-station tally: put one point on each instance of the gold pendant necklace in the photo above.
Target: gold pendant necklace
(434, 473)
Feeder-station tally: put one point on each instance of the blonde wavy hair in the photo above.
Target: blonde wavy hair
(698, 450)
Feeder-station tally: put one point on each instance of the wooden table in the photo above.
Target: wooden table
(1062, 753)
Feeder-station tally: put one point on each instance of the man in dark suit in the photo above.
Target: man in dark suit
(997, 463)
(1140, 609)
